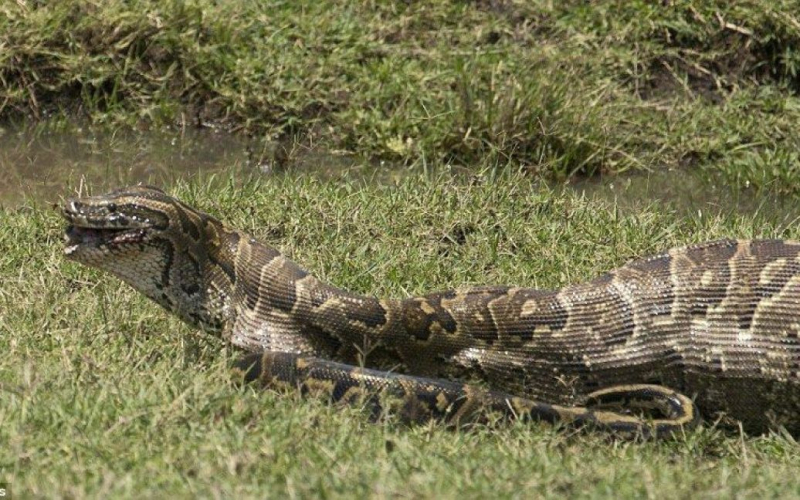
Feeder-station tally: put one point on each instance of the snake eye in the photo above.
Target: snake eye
(112, 207)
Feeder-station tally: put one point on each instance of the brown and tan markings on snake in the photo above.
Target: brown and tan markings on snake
(707, 329)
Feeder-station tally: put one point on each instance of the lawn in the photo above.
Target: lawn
(475, 119)
(105, 394)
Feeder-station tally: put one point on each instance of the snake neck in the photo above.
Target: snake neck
(277, 305)
(195, 277)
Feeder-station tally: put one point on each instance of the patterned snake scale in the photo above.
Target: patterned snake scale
(710, 329)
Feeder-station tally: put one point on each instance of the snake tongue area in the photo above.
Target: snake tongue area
(76, 236)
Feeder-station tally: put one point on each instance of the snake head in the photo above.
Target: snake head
(107, 225)
(160, 246)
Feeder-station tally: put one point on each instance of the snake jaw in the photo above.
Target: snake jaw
(77, 237)
(100, 227)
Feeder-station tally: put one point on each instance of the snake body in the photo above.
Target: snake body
(710, 329)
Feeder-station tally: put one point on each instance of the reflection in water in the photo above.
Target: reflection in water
(687, 192)
(47, 165)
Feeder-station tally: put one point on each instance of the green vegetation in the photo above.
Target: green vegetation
(105, 394)
(559, 88)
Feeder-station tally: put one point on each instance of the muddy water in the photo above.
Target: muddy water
(47, 165)
(688, 192)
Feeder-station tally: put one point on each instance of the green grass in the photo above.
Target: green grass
(559, 88)
(103, 394)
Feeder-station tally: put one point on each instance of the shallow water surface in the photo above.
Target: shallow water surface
(687, 192)
(48, 165)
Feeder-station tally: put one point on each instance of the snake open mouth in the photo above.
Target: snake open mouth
(101, 226)
(78, 236)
